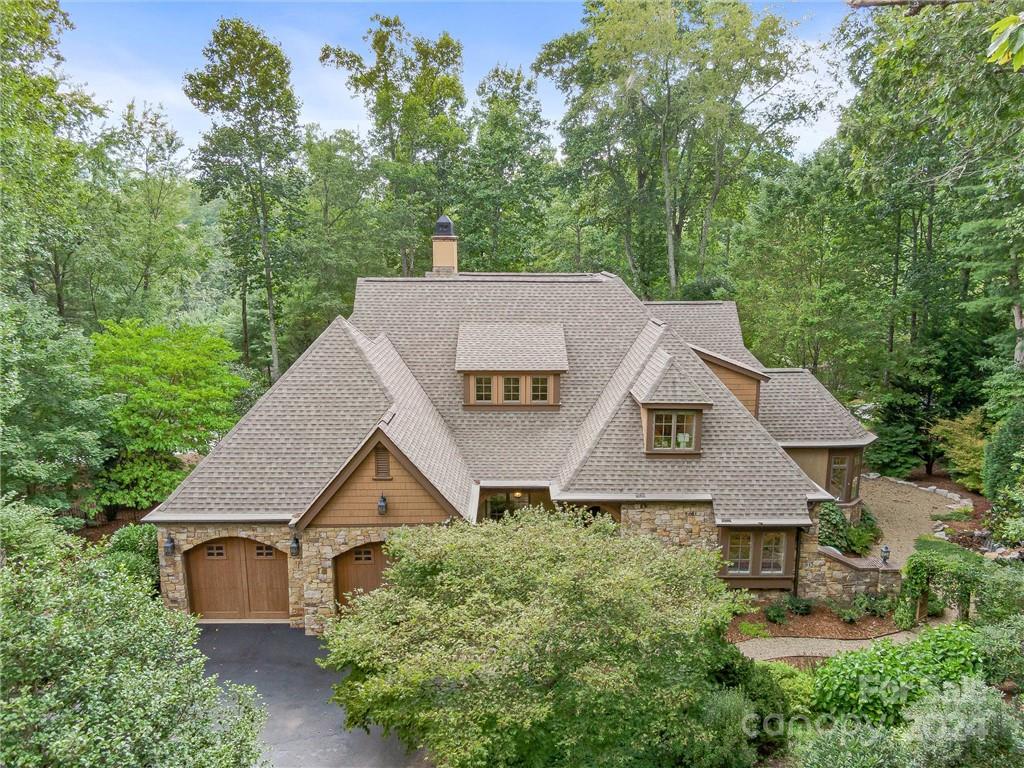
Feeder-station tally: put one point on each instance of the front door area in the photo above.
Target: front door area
(235, 578)
(361, 567)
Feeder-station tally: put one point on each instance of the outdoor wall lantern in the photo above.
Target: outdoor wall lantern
(295, 547)
(382, 505)
(169, 545)
(886, 552)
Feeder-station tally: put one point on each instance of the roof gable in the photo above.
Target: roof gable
(662, 381)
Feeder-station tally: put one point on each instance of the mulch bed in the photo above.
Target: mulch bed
(820, 622)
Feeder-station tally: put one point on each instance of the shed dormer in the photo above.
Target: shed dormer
(672, 407)
(511, 365)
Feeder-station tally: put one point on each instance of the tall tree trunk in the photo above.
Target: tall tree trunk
(1018, 315)
(578, 256)
(891, 339)
(57, 273)
(666, 183)
(246, 357)
(709, 209)
(268, 273)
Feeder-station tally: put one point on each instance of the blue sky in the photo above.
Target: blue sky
(141, 50)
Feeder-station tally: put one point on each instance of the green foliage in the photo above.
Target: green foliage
(1007, 45)
(963, 724)
(720, 740)
(904, 616)
(874, 604)
(1005, 513)
(53, 414)
(1004, 389)
(962, 441)
(797, 686)
(765, 695)
(30, 534)
(953, 575)
(69, 524)
(798, 606)
(1002, 466)
(175, 392)
(899, 447)
(753, 629)
(1001, 595)
(571, 608)
(89, 651)
(859, 539)
(134, 549)
(851, 744)
(1002, 649)
(776, 612)
(879, 681)
(834, 530)
(850, 613)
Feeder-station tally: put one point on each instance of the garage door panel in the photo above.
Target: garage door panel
(360, 568)
(267, 576)
(235, 578)
(216, 572)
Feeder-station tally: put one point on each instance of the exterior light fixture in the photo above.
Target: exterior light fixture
(886, 553)
(295, 546)
(382, 505)
(169, 545)
(517, 494)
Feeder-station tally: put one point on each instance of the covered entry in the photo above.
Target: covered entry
(362, 567)
(235, 578)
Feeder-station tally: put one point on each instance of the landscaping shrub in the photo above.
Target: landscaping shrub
(859, 539)
(963, 725)
(30, 533)
(832, 526)
(948, 572)
(719, 740)
(98, 673)
(776, 612)
(1002, 650)
(69, 524)
(850, 613)
(874, 604)
(905, 614)
(962, 441)
(760, 685)
(541, 639)
(753, 629)
(1001, 594)
(999, 470)
(851, 745)
(797, 686)
(798, 606)
(133, 549)
(879, 681)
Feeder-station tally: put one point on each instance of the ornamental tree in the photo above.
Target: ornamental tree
(176, 392)
(543, 639)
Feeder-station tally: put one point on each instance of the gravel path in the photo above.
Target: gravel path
(903, 512)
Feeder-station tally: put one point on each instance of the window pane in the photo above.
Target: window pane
(838, 476)
(483, 388)
(663, 430)
(511, 389)
(497, 505)
(773, 551)
(539, 389)
(684, 431)
(739, 552)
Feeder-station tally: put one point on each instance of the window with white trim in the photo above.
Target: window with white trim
(773, 552)
(739, 551)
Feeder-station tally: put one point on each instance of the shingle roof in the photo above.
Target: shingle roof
(662, 381)
(713, 325)
(393, 366)
(291, 443)
(511, 347)
(797, 409)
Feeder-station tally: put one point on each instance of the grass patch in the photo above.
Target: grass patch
(753, 629)
(953, 515)
(944, 548)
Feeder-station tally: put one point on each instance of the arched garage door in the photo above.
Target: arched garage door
(236, 578)
(361, 567)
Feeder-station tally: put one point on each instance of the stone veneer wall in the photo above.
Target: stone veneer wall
(310, 576)
(678, 524)
(825, 573)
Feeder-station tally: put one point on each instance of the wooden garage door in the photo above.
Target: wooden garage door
(361, 567)
(238, 579)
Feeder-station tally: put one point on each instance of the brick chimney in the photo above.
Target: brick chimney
(446, 249)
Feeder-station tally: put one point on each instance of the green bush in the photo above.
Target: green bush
(876, 605)
(1001, 594)
(1000, 453)
(541, 639)
(133, 549)
(759, 683)
(1011, 532)
(832, 527)
(1002, 650)
(798, 606)
(720, 740)
(98, 673)
(776, 612)
(1007, 507)
(898, 449)
(797, 686)
(850, 613)
(879, 681)
(946, 572)
(859, 539)
(851, 745)
(905, 614)
(69, 524)
(133, 565)
(963, 725)
(31, 533)
(962, 441)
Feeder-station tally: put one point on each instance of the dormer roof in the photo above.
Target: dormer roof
(663, 382)
(511, 347)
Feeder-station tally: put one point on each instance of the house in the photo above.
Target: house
(455, 397)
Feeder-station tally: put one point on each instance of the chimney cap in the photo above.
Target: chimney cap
(444, 227)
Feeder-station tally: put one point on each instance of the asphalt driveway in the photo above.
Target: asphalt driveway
(304, 730)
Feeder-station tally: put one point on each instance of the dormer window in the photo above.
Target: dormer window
(512, 389)
(673, 431)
